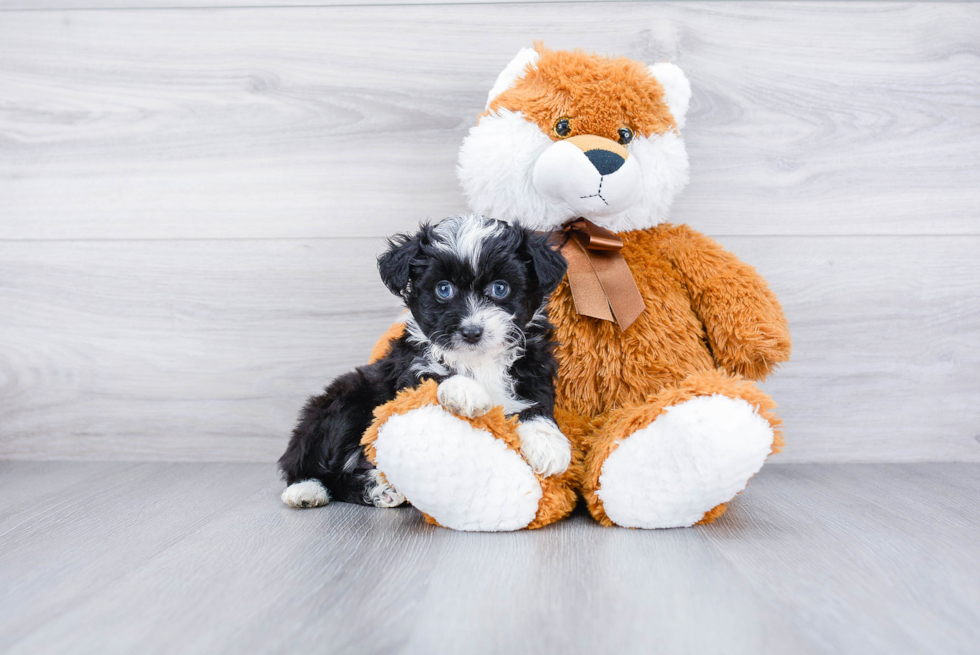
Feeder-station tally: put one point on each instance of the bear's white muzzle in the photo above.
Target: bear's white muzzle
(591, 175)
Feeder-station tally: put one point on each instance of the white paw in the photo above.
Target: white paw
(544, 447)
(465, 397)
(381, 493)
(308, 493)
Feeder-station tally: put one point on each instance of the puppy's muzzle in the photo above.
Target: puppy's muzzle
(591, 175)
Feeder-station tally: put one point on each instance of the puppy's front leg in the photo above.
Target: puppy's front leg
(464, 396)
(544, 446)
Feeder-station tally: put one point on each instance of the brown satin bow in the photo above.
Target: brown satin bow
(600, 279)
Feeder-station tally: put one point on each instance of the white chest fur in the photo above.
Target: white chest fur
(490, 371)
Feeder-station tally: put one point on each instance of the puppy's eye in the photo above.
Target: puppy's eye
(625, 135)
(562, 128)
(498, 290)
(445, 290)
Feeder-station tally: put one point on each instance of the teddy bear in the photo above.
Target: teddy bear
(662, 333)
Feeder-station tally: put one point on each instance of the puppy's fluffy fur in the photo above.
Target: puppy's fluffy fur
(476, 290)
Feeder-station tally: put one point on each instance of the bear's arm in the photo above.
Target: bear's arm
(383, 345)
(745, 325)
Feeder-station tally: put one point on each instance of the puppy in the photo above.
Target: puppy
(476, 291)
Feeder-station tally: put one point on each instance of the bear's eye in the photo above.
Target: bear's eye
(562, 128)
(625, 135)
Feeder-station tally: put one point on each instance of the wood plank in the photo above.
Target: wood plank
(864, 558)
(61, 5)
(265, 578)
(73, 546)
(258, 578)
(578, 588)
(203, 558)
(205, 350)
(201, 350)
(27, 484)
(328, 121)
(885, 334)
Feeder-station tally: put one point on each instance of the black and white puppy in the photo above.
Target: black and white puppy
(476, 290)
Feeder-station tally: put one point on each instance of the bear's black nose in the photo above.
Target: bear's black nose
(604, 161)
(471, 333)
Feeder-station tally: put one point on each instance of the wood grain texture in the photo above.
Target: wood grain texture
(807, 118)
(60, 5)
(200, 558)
(210, 344)
(93, 533)
(191, 199)
(595, 591)
(823, 542)
(205, 350)
(886, 345)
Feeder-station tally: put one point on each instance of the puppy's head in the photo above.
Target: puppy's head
(473, 284)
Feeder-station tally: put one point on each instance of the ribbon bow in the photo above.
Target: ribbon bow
(600, 279)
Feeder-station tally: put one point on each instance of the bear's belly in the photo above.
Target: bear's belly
(602, 367)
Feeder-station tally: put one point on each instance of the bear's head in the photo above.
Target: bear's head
(571, 134)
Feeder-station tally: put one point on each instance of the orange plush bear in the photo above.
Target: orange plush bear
(662, 332)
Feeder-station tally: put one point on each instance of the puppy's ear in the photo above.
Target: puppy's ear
(395, 264)
(549, 265)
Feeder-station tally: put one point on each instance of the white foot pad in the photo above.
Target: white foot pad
(308, 493)
(693, 457)
(462, 477)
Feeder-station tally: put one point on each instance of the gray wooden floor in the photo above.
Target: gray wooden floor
(180, 558)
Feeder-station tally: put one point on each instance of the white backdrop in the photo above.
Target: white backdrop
(191, 201)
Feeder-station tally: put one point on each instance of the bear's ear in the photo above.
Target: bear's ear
(677, 90)
(526, 58)
(395, 264)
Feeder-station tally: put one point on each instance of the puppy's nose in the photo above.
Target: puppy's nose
(604, 161)
(471, 333)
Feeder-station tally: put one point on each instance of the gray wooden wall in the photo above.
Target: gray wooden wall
(191, 200)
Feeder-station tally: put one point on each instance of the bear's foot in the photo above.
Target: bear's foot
(677, 460)
(462, 477)
(462, 473)
(694, 456)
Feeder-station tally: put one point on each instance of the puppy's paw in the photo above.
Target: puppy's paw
(465, 397)
(379, 491)
(308, 493)
(544, 447)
